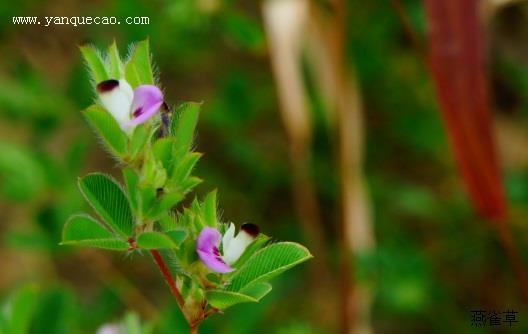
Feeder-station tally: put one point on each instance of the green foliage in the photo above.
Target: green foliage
(154, 240)
(139, 139)
(138, 69)
(18, 311)
(182, 127)
(21, 175)
(114, 62)
(107, 199)
(162, 150)
(222, 299)
(83, 230)
(177, 236)
(157, 165)
(95, 64)
(268, 263)
(244, 31)
(216, 50)
(182, 169)
(257, 244)
(131, 182)
(210, 209)
(258, 290)
(107, 129)
(34, 310)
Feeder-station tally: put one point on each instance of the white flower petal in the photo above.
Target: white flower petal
(228, 236)
(237, 246)
(116, 97)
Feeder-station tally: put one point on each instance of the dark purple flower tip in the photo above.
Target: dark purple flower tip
(147, 101)
(251, 229)
(107, 85)
(207, 249)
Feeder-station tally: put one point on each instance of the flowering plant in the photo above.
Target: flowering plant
(206, 264)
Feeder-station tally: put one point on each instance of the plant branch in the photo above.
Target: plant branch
(457, 62)
(168, 278)
(285, 24)
(211, 312)
(355, 225)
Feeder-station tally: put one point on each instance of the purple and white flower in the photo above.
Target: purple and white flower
(129, 107)
(207, 246)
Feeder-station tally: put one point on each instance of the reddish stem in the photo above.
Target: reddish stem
(168, 278)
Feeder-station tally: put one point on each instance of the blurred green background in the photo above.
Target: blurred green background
(434, 260)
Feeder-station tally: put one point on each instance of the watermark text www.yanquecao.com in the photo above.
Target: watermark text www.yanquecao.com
(75, 21)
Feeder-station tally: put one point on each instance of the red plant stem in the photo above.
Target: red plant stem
(457, 64)
(168, 278)
(458, 67)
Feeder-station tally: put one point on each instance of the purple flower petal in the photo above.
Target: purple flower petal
(147, 101)
(207, 249)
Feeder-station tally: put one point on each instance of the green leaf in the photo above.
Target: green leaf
(146, 198)
(268, 263)
(114, 244)
(178, 236)
(140, 137)
(154, 240)
(95, 63)
(189, 184)
(20, 309)
(83, 227)
(116, 66)
(166, 202)
(83, 230)
(107, 128)
(138, 70)
(153, 173)
(107, 198)
(182, 127)
(168, 222)
(131, 180)
(214, 278)
(222, 299)
(162, 150)
(197, 215)
(257, 291)
(184, 168)
(209, 208)
(191, 220)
